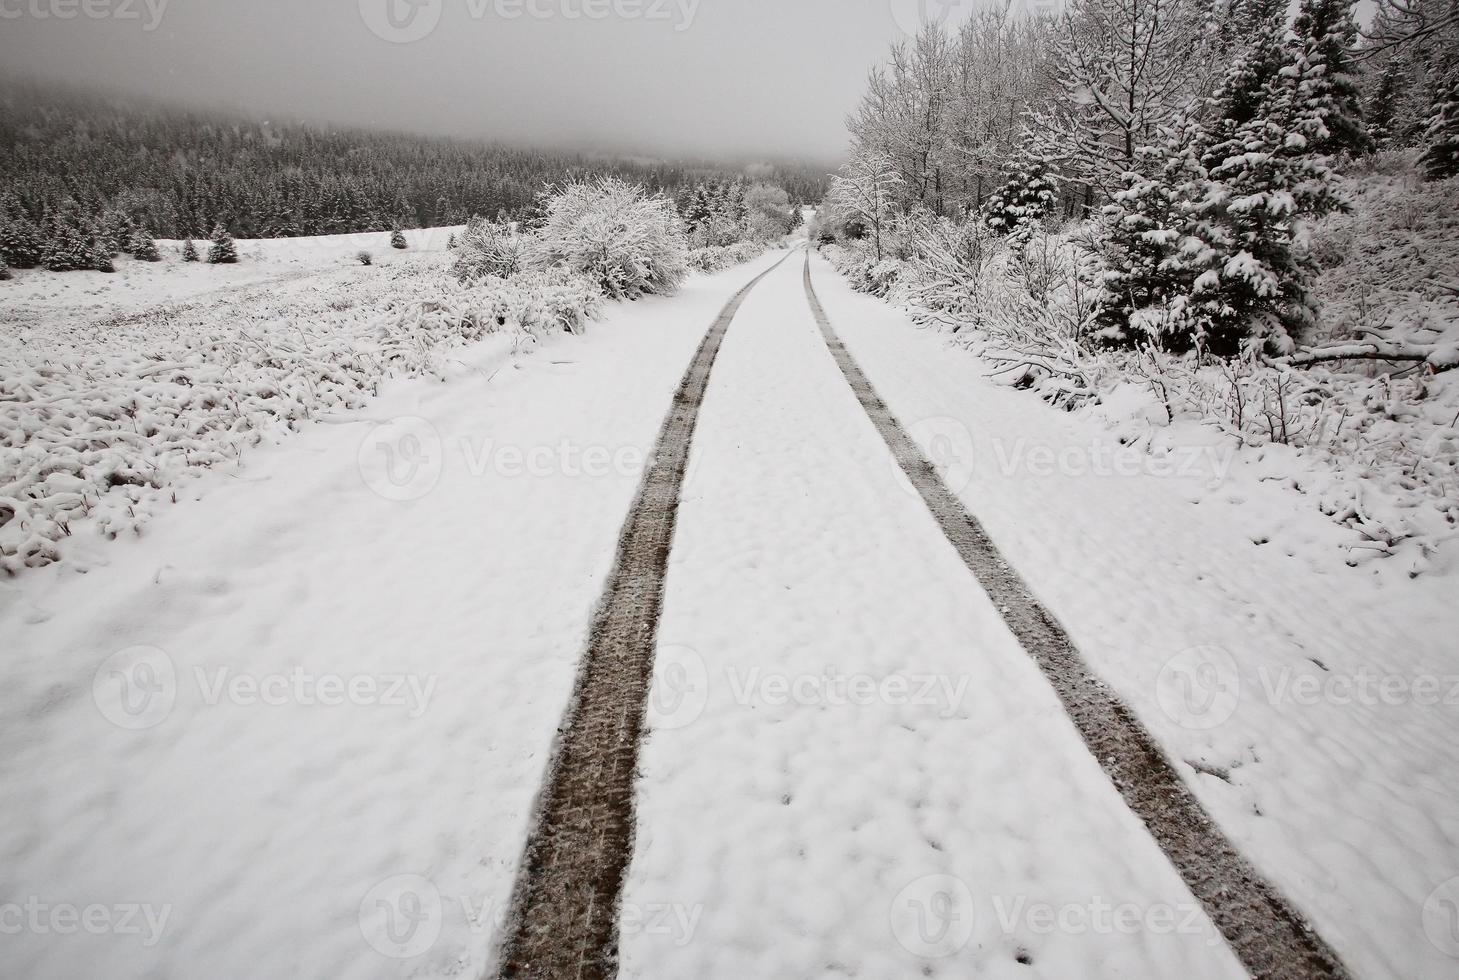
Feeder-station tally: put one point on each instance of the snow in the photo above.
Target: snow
(1326, 747)
(359, 662)
(843, 731)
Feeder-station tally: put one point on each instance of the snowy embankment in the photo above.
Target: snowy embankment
(103, 419)
(1377, 452)
(303, 719)
(1310, 705)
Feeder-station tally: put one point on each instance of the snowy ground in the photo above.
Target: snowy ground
(296, 729)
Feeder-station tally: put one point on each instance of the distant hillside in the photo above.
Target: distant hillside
(178, 172)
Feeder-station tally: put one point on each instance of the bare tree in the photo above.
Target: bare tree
(866, 188)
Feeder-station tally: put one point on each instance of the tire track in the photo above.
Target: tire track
(565, 901)
(1269, 937)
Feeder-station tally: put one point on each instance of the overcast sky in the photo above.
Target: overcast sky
(751, 78)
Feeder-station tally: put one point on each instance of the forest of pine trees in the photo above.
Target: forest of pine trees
(74, 164)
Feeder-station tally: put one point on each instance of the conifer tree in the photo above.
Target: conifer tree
(189, 251)
(1324, 49)
(222, 251)
(4, 269)
(1440, 157)
(1028, 197)
(142, 247)
(20, 241)
(397, 237)
(98, 243)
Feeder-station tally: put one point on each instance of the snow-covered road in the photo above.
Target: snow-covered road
(853, 768)
(298, 729)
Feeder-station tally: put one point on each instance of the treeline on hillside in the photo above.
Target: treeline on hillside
(1200, 136)
(180, 174)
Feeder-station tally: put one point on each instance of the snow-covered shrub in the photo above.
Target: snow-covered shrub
(490, 250)
(364, 258)
(625, 240)
(713, 258)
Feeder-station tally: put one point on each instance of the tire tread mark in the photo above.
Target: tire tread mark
(564, 911)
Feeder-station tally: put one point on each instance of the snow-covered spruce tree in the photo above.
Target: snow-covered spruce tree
(98, 242)
(1262, 184)
(626, 241)
(20, 242)
(115, 231)
(4, 269)
(142, 247)
(1025, 200)
(397, 237)
(1324, 51)
(1382, 107)
(1143, 277)
(451, 242)
(222, 251)
(1440, 157)
(189, 251)
(64, 247)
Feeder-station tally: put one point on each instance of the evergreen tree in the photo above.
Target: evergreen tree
(115, 231)
(1383, 103)
(142, 247)
(397, 238)
(1323, 50)
(4, 269)
(1023, 202)
(98, 243)
(451, 242)
(222, 251)
(189, 251)
(20, 241)
(1440, 157)
(65, 247)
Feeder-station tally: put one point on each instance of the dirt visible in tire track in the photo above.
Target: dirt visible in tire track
(1269, 937)
(565, 902)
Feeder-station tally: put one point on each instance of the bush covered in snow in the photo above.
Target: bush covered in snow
(489, 249)
(625, 240)
(713, 258)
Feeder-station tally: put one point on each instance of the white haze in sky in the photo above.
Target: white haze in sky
(728, 78)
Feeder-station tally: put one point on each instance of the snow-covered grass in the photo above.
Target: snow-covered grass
(1374, 445)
